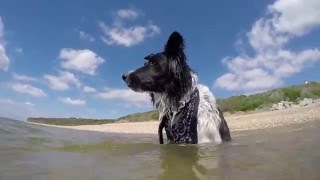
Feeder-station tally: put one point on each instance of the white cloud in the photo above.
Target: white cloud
(272, 63)
(120, 34)
(9, 109)
(61, 82)
(28, 89)
(127, 14)
(29, 103)
(84, 61)
(85, 36)
(19, 77)
(76, 102)
(19, 50)
(1, 28)
(88, 89)
(126, 95)
(4, 60)
(6, 101)
(295, 17)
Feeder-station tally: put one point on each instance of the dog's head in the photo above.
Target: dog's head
(165, 71)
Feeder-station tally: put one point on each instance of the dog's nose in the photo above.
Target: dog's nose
(124, 77)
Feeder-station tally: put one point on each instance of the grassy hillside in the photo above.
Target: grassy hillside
(69, 121)
(138, 117)
(232, 104)
(266, 99)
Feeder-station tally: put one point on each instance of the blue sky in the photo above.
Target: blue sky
(66, 58)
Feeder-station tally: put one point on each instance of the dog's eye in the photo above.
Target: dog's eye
(149, 63)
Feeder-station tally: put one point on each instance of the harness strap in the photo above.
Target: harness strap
(181, 125)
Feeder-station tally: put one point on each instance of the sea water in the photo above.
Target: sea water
(30, 151)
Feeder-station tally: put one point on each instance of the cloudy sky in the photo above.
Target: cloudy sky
(66, 58)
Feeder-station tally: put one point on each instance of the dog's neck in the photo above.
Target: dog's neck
(166, 105)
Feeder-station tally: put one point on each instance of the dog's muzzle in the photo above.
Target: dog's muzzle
(127, 80)
(131, 80)
(124, 77)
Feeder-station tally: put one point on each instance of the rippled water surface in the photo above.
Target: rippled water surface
(37, 152)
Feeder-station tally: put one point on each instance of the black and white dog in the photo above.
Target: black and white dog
(187, 110)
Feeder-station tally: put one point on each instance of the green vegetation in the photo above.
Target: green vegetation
(250, 104)
(292, 93)
(139, 117)
(266, 99)
(232, 104)
(69, 121)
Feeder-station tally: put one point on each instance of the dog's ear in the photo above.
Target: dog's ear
(149, 57)
(175, 44)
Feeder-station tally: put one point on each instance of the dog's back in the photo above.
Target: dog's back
(224, 129)
(212, 125)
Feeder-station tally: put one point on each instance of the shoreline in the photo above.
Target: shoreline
(243, 122)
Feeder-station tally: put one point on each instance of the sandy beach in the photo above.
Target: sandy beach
(236, 122)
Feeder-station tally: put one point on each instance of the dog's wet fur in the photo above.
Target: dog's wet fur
(169, 80)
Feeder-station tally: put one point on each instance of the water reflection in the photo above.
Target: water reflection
(180, 162)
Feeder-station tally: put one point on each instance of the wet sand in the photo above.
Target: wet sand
(236, 122)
